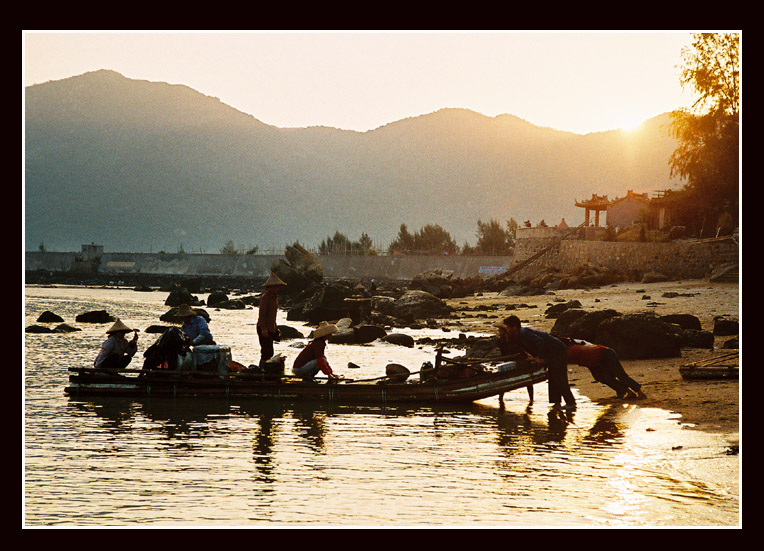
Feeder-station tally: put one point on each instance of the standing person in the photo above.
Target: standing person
(605, 366)
(312, 358)
(116, 351)
(194, 325)
(267, 331)
(552, 351)
(508, 347)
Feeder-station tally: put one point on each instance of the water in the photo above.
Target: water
(165, 462)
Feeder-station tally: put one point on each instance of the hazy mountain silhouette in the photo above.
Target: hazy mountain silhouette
(137, 166)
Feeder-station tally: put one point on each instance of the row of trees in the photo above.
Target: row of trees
(492, 239)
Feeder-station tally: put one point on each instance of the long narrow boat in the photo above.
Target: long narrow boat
(449, 381)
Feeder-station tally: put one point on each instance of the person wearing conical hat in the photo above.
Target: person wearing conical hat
(116, 351)
(267, 330)
(194, 325)
(312, 358)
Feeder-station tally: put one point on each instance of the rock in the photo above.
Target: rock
(324, 302)
(573, 324)
(171, 315)
(725, 327)
(343, 336)
(400, 339)
(694, 338)
(234, 304)
(368, 333)
(685, 321)
(731, 343)
(142, 288)
(192, 284)
(49, 317)
(181, 295)
(289, 333)
(156, 328)
(65, 328)
(300, 270)
(653, 277)
(397, 373)
(555, 310)
(38, 329)
(638, 336)
(216, 297)
(420, 305)
(440, 283)
(95, 316)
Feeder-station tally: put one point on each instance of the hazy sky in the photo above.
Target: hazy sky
(576, 81)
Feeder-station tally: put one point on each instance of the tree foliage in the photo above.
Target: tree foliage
(430, 239)
(495, 240)
(340, 244)
(707, 156)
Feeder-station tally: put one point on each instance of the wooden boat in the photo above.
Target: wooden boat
(448, 381)
(725, 366)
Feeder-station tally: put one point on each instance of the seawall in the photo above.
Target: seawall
(682, 259)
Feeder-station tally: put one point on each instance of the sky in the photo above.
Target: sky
(578, 81)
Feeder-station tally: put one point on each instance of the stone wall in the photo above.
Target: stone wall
(677, 259)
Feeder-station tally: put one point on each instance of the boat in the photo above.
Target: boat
(448, 381)
(724, 366)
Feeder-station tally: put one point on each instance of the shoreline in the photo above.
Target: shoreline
(710, 405)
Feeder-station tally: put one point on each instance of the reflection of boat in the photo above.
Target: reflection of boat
(448, 381)
(725, 366)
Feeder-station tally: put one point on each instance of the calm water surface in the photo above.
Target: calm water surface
(165, 462)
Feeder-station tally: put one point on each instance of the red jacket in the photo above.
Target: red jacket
(314, 351)
(587, 355)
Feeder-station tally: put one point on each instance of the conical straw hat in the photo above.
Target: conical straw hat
(117, 327)
(273, 281)
(324, 329)
(185, 310)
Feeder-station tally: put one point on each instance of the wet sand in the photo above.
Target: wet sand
(712, 406)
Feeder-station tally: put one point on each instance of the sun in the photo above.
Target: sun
(632, 125)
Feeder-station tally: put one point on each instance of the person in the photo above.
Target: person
(267, 330)
(194, 325)
(362, 291)
(605, 366)
(312, 358)
(364, 306)
(507, 347)
(552, 352)
(116, 351)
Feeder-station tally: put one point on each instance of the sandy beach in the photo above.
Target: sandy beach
(712, 406)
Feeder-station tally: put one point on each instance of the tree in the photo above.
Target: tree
(430, 239)
(708, 134)
(404, 242)
(228, 248)
(495, 240)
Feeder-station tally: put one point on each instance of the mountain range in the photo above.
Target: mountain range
(146, 166)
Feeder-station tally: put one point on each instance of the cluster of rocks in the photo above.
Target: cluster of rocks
(641, 335)
(48, 317)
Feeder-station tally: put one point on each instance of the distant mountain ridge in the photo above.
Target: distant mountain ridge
(138, 166)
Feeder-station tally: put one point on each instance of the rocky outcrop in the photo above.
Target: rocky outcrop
(300, 270)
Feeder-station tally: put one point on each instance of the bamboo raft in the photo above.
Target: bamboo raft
(724, 366)
(448, 381)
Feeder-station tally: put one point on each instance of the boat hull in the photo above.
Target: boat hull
(177, 384)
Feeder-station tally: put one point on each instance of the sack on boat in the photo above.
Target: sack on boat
(397, 373)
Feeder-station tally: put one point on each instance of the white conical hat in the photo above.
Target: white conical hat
(273, 281)
(117, 327)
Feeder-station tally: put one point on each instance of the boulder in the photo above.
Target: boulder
(416, 304)
(639, 336)
(289, 333)
(65, 328)
(368, 333)
(324, 302)
(49, 317)
(234, 304)
(181, 295)
(95, 316)
(685, 321)
(555, 310)
(400, 339)
(725, 327)
(579, 324)
(38, 329)
(299, 270)
(216, 297)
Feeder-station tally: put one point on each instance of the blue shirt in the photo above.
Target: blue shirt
(542, 345)
(195, 328)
